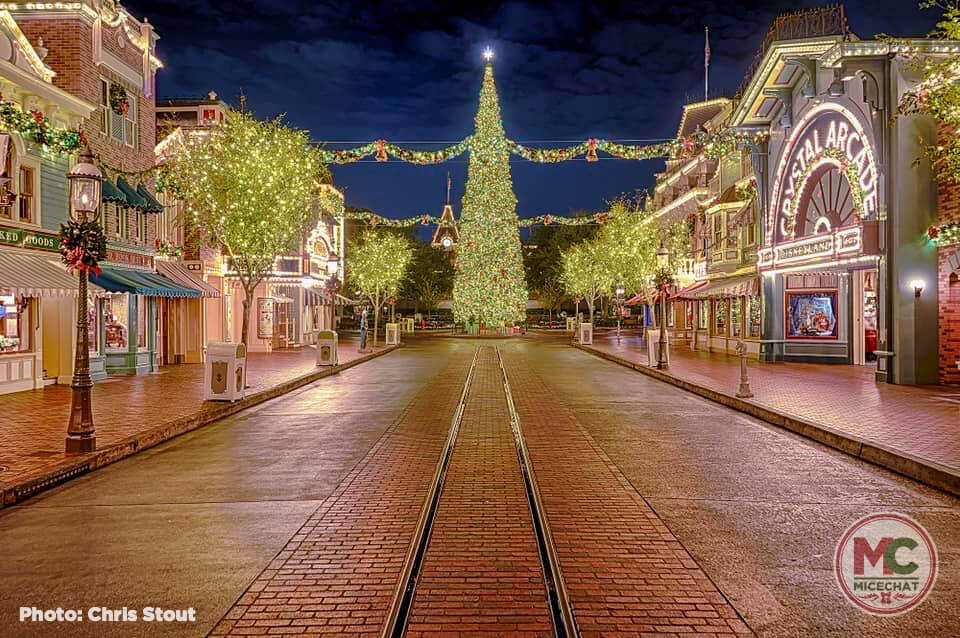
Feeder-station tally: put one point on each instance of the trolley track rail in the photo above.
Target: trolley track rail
(561, 610)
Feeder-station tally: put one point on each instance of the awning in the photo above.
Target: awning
(281, 299)
(112, 194)
(687, 293)
(35, 276)
(179, 273)
(743, 286)
(140, 283)
(133, 199)
(636, 300)
(153, 206)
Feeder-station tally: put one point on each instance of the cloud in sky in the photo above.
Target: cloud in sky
(411, 71)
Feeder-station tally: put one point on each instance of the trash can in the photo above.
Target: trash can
(571, 324)
(224, 373)
(586, 334)
(393, 334)
(327, 346)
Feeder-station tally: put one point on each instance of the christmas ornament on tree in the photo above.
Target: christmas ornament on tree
(490, 286)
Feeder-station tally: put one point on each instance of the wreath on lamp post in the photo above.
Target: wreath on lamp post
(82, 246)
(119, 101)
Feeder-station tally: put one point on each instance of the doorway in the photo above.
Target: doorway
(864, 338)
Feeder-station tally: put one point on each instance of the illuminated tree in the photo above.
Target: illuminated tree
(249, 187)
(489, 285)
(586, 274)
(376, 265)
(938, 93)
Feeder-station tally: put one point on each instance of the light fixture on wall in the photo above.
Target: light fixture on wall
(917, 285)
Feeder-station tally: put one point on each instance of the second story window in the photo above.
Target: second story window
(121, 127)
(141, 226)
(26, 195)
(121, 222)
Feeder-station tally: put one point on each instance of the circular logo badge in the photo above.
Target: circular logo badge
(886, 563)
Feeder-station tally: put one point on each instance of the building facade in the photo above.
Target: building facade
(37, 295)
(105, 56)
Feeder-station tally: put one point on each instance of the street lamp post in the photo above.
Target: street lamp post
(619, 305)
(86, 184)
(333, 265)
(663, 262)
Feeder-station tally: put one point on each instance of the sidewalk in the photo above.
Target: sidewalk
(135, 412)
(913, 430)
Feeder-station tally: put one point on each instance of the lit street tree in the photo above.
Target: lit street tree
(586, 272)
(249, 188)
(376, 265)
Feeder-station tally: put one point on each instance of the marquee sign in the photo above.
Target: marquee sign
(827, 137)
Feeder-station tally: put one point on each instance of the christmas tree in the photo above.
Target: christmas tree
(490, 285)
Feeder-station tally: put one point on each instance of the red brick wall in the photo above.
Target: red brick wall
(949, 286)
(70, 45)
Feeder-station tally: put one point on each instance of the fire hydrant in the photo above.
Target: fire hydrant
(743, 392)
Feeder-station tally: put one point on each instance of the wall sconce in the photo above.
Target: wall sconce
(917, 285)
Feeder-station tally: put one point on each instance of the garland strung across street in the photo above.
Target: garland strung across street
(713, 146)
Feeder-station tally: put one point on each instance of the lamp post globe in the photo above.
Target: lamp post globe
(86, 191)
(333, 264)
(86, 184)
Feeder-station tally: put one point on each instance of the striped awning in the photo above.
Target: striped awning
(179, 273)
(35, 276)
(743, 286)
(687, 293)
(140, 283)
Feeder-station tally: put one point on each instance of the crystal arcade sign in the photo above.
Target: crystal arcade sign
(824, 194)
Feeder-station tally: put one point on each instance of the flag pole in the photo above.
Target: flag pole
(706, 63)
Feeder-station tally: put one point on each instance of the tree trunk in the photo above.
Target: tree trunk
(246, 317)
(590, 303)
(376, 326)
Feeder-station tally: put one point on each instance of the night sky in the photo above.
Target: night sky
(410, 71)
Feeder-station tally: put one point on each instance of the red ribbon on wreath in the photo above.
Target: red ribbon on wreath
(933, 232)
(381, 150)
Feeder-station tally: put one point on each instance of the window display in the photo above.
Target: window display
(756, 316)
(703, 315)
(720, 317)
(117, 321)
(736, 317)
(14, 324)
(812, 314)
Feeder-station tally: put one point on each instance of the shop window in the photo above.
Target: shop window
(720, 317)
(93, 325)
(756, 316)
(141, 323)
(116, 319)
(15, 323)
(736, 317)
(26, 194)
(671, 318)
(703, 316)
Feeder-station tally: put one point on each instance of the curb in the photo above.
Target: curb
(32, 484)
(916, 468)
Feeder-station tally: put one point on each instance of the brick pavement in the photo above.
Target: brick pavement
(337, 574)
(626, 574)
(922, 421)
(481, 574)
(34, 422)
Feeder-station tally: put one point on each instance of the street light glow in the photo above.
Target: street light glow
(488, 54)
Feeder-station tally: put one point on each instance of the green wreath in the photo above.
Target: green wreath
(849, 171)
(119, 102)
(82, 245)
